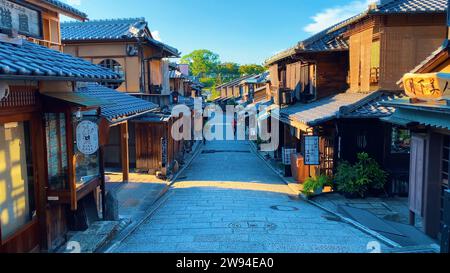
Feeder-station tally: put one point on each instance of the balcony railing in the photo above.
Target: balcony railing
(46, 43)
(374, 75)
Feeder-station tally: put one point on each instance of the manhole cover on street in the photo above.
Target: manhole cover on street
(284, 208)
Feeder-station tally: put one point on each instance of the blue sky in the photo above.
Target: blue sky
(241, 31)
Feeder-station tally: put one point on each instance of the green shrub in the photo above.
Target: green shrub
(359, 178)
(314, 184)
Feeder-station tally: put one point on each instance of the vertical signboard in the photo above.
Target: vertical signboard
(164, 152)
(312, 152)
(21, 18)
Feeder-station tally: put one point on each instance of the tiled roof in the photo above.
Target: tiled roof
(314, 113)
(66, 7)
(110, 29)
(38, 62)
(121, 106)
(433, 115)
(371, 108)
(282, 55)
(260, 78)
(175, 74)
(329, 39)
(412, 6)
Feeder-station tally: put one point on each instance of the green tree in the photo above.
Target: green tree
(250, 69)
(228, 71)
(202, 63)
(208, 82)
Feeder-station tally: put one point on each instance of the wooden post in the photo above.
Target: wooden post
(412, 218)
(125, 151)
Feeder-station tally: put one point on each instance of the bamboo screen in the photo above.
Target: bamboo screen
(360, 60)
(403, 48)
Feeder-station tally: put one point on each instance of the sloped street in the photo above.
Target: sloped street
(229, 201)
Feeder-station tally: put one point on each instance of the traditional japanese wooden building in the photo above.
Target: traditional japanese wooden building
(341, 103)
(50, 159)
(256, 88)
(128, 47)
(426, 112)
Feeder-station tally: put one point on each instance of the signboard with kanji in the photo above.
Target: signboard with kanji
(21, 18)
(312, 150)
(429, 86)
(164, 152)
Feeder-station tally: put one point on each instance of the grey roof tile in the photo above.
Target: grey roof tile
(322, 110)
(373, 108)
(330, 38)
(412, 6)
(122, 105)
(37, 61)
(109, 29)
(66, 7)
(175, 74)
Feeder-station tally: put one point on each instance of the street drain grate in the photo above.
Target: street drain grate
(284, 208)
(253, 226)
(224, 151)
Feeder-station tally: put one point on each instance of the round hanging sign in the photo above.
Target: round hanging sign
(87, 137)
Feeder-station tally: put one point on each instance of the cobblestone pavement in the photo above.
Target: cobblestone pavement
(229, 201)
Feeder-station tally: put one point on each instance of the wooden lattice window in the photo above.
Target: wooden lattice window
(117, 68)
(20, 96)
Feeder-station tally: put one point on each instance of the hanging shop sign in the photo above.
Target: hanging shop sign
(20, 18)
(87, 137)
(430, 86)
(164, 153)
(312, 151)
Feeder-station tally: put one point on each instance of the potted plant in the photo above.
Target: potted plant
(354, 181)
(315, 185)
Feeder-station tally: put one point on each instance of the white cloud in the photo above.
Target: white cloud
(331, 16)
(156, 35)
(74, 2)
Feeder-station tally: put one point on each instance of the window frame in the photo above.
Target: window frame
(33, 127)
(111, 63)
(391, 138)
(73, 194)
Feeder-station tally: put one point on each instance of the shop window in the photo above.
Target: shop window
(117, 68)
(55, 129)
(361, 140)
(17, 196)
(400, 141)
(87, 167)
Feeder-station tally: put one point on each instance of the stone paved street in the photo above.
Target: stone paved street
(229, 201)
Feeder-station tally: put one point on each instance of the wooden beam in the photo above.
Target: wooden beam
(124, 136)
